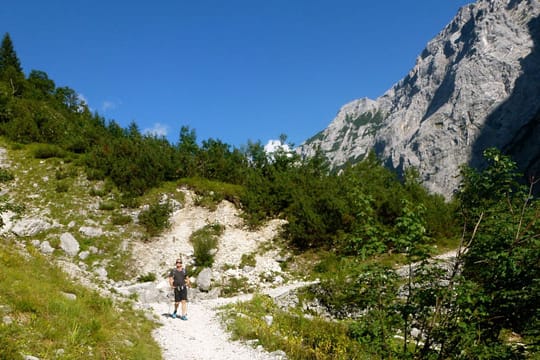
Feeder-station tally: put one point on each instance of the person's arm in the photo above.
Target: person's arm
(186, 278)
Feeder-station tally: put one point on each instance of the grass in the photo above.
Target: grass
(45, 321)
(298, 336)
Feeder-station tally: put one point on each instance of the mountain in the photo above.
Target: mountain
(475, 85)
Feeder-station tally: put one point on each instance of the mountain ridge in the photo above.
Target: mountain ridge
(474, 86)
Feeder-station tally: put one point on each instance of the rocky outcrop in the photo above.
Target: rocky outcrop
(475, 85)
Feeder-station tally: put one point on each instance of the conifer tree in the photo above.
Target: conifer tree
(8, 57)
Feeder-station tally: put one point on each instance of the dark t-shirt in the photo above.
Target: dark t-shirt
(179, 277)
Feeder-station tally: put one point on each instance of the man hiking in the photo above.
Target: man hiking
(179, 281)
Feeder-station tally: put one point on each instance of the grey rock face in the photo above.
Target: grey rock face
(475, 85)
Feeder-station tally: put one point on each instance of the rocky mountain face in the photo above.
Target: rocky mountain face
(475, 85)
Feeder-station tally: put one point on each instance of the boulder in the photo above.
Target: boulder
(90, 231)
(204, 279)
(69, 244)
(30, 227)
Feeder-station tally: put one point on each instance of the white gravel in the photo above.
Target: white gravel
(201, 336)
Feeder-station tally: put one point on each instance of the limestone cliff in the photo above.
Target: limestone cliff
(475, 85)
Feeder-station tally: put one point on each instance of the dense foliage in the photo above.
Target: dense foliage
(486, 306)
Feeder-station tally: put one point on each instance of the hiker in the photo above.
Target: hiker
(179, 281)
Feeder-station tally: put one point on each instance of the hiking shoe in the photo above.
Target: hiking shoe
(173, 315)
(183, 317)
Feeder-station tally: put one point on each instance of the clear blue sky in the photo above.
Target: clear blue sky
(234, 70)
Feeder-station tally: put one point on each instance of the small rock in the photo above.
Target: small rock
(268, 319)
(7, 320)
(69, 296)
(59, 352)
(46, 248)
(90, 231)
(101, 272)
(128, 343)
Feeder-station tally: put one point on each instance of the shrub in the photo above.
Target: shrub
(95, 174)
(62, 173)
(149, 277)
(121, 219)
(46, 151)
(62, 187)
(204, 240)
(248, 260)
(156, 218)
(107, 205)
(6, 175)
(130, 201)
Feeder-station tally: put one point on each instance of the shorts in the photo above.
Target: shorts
(180, 294)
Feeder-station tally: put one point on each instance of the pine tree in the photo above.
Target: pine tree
(8, 57)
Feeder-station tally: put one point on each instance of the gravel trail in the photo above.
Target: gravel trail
(203, 337)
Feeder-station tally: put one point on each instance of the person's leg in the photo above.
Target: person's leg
(184, 307)
(176, 302)
(184, 303)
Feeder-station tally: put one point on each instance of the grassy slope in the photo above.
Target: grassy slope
(43, 320)
(46, 323)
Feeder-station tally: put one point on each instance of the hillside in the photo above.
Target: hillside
(109, 259)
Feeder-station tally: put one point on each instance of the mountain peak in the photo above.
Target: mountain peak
(475, 85)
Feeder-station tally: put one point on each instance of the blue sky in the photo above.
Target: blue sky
(233, 70)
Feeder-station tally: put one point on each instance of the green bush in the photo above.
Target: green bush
(46, 151)
(248, 260)
(155, 219)
(95, 174)
(62, 187)
(6, 175)
(63, 173)
(149, 277)
(130, 201)
(204, 240)
(108, 205)
(121, 219)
